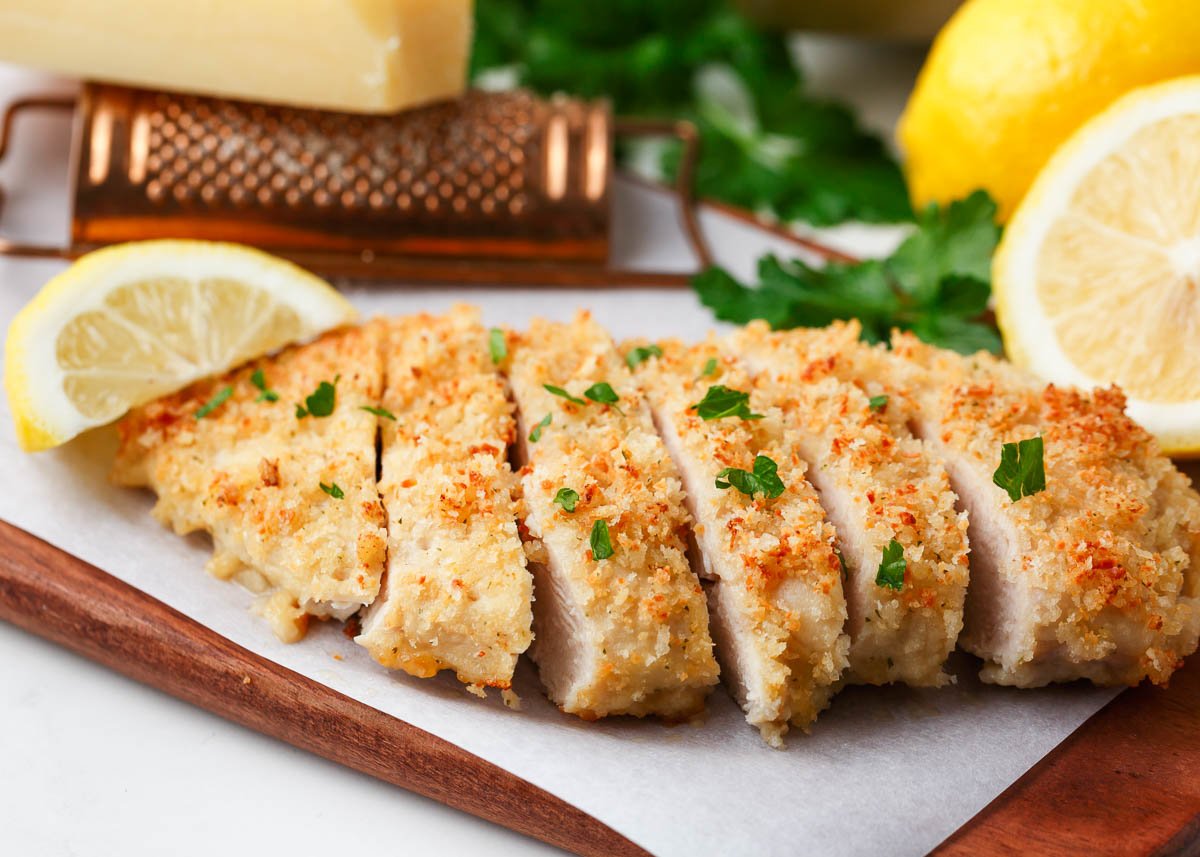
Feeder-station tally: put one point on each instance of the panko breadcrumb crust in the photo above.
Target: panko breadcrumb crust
(773, 559)
(878, 484)
(627, 634)
(1107, 554)
(456, 594)
(250, 474)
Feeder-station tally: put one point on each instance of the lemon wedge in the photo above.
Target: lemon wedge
(1097, 279)
(129, 323)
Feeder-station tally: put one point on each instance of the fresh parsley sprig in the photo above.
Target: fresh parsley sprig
(600, 542)
(379, 412)
(721, 401)
(563, 394)
(766, 144)
(219, 398)
(642, 353)
(567, 498)
(536, 433)
(497, 345)
(892, 566)
(936, 284)
(266, 394)
(321, 402)
(1022, 469)
(603, 393)
(762, 479)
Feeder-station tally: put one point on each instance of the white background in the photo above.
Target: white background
(91, 763)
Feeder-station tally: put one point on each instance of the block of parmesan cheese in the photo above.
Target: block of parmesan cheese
(371, 56)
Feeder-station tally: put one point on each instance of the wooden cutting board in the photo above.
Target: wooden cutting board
(1126, 782)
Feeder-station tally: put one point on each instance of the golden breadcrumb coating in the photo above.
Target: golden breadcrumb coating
(627, 634)
(779, 612)
(879, 484)
(1094, 577)
(250, 473)
(457, 594)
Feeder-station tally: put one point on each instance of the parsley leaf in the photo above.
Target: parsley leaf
(333, 490)
(641, 354)
(603, 393)
(536, 434)
(936, 284)
(567, 498)
(763, 479)
(379, 412)
(599, 541)
(892, 566)
(710, 368)
(219, 398)
(559, 391)
(321, 402)
(258, 379)
(720, 401)
(877, 403)
(1022, 469)
(766, 144)
(497, 345)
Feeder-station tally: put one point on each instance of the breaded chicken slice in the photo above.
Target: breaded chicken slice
(620, 619)
(457, 593)
(903, 541)
(776, 599)
(276, 460)
(1095, 576)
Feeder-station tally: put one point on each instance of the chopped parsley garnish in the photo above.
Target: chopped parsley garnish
(878, 403)
(559, 391)
(641, 354)
(842, 563)
(536, 434)
(219, 398)
(1022, 469)
(321, 402)
(567, 498)
(892, 566)
(497, 345)
(935, 285)
(379, 412)
(710, 368)
(720, 401)
(763, 479)
(600, 542)
(603, 393)
(258, 379)
(333, 490)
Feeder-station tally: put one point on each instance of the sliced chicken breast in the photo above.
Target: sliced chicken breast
(1095, 575)
(457, 593)
(775, 595)
(277, 461)
(620, 619)
(903, 542)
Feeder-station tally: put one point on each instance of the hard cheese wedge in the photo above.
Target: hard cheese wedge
(371, 56)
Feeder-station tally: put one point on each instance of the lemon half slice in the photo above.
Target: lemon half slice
(129, 323)
(1097, 279)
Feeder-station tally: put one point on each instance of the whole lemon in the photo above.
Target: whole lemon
(1006, 81)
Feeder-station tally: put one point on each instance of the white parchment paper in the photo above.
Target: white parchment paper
(885, 770)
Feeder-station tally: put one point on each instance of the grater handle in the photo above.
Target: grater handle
(689, 138)
(15, 108)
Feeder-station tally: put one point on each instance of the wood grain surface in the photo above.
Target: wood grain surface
(59, 597)
(1127, 782)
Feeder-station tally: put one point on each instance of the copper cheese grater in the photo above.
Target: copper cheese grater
(502, 188)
